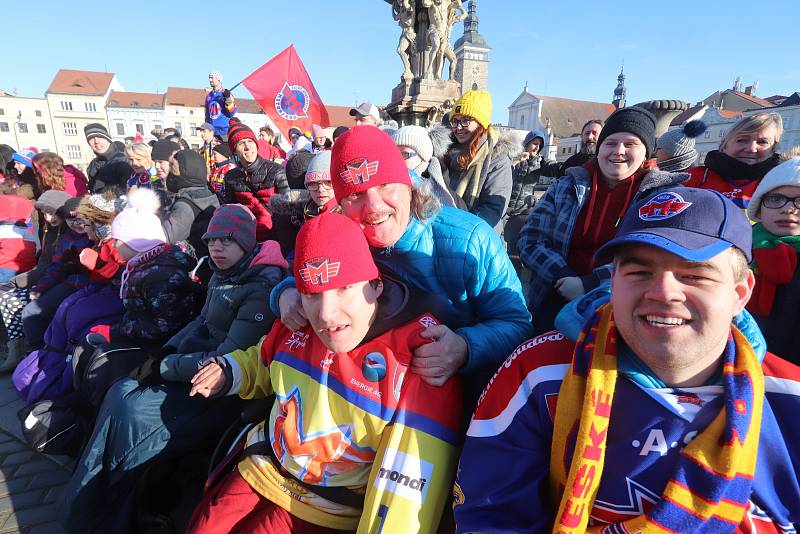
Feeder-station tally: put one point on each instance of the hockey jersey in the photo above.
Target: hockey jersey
(502, 480)
(359, 420)
(739, 191)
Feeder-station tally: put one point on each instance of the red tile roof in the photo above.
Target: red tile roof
(124, 99)
(248, 105)
(338, 116)
(754, 99)
(567, 116)
(184, 96)
(81, 82)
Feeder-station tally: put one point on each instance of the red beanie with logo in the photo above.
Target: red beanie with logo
(364, 157)
(331, 252)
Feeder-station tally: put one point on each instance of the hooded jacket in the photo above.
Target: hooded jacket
(110, 169)
(18, 241)
(253, 185)
(193, 202)
(495, 182)
(158, 295)
(545, 238)
(235, 316)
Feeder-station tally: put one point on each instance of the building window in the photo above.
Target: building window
(66, 105)
(2, 111)
(522, 121)
(73, 151)
(787, 123)
(707, 135)
(157, 126)
(90, 106)
(70, 128)
(179, 127)
(193, 128)
(140, 129)
(120, 129)
(38, 112)
(191, 112)
(3, 126)
(41, 128)
(23, 127)
(722, 133)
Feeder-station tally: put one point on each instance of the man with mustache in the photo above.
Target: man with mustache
(452, 259)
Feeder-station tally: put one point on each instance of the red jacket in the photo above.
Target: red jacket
(75, 182)
(17, 239)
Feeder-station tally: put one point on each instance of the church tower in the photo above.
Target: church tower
(472, 54)
(619, 92)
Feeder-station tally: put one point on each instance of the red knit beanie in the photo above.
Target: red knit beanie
(331, 252)
(364, 157)
(238, 131)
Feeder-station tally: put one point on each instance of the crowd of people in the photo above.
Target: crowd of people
(335, 337)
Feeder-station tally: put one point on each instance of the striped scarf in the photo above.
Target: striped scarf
(710, 488)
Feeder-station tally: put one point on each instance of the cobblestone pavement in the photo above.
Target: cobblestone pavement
(30, 483)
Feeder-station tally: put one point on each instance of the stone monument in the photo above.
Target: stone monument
(423, 94)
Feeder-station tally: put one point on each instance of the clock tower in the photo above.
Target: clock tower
(472, 54)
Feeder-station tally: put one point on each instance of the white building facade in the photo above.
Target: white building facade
(129, 114)
(25, 122)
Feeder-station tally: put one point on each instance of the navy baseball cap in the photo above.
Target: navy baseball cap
(695, 224)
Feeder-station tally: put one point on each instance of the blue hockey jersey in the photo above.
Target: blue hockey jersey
(503, 475)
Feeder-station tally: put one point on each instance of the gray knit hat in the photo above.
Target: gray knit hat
(96, 129)
(417, 138)
(679, 144)
(319, 170)
(52, 200)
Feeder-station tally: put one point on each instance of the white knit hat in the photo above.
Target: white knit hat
(416, 138)
(319, 170)
(137, 225)
(787, 173)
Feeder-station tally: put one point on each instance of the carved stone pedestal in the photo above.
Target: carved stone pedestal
(417, 100)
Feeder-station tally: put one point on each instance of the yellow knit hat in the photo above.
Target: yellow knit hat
(476, 104)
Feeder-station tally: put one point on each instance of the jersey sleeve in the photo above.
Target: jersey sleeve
(253, 365)
(502, 479)
(414, 467)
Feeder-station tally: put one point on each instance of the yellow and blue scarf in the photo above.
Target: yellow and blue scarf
(710, 488)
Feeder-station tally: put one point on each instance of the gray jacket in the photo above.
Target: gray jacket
(235, 316)
(180, 215)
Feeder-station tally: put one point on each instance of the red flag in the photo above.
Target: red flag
(284, 91)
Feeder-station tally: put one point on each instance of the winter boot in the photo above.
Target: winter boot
(16, 351)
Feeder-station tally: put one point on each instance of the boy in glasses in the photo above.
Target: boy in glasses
(775, 207)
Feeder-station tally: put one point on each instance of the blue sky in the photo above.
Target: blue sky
(570, 48)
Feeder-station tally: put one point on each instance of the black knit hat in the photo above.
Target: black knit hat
(164, 149)
(70, 208)
(96, 129)
(297, 167)
(192, 169)
(222, 149)
(637, 121)
(339, 131)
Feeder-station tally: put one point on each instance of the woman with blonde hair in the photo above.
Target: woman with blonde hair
(51, 173)
(144, 170)
(746, 153)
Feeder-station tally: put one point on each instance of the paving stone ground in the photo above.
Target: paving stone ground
(30, 483)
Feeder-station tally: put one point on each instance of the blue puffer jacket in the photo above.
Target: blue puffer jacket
(459, 265)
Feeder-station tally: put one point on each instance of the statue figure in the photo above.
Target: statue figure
(436, 113)
(403, 11)
(442, 15)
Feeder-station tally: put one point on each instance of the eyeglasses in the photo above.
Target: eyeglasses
(463, 123)
(778, 201)
(408, 154)
(316, 186)
(224, 241)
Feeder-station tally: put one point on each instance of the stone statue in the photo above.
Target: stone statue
(436, 113)
(404, 12)
(433, 20)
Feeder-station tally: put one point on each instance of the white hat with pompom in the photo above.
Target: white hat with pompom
(138, 225)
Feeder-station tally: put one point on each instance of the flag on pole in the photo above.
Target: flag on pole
(284, 91)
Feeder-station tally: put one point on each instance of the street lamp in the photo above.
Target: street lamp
(16, 126)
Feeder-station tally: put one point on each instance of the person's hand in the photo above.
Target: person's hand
(292, 314)
(570, 287)
(33, 295)
(524, 156)
(208, 381)
(437, 361)
(226, 93)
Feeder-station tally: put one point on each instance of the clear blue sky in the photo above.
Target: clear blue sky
(570, 48)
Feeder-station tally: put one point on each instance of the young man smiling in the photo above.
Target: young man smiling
(663, 417)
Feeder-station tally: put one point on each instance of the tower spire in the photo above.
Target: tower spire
(619, 92)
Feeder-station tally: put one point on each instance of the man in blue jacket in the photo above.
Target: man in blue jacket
(662, 417)
(220, 105)
(452, 259)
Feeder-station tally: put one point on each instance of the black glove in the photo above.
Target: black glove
(226, 93)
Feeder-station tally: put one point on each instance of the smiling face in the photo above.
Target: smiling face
(162, 168)
(247, 149)
(99, 145)
(620, 156)
(753, 147)
(342, 317)
(785, 220)
(675, 314)
(139, 163)
(463, 128)
(53, 219)
(382, 212)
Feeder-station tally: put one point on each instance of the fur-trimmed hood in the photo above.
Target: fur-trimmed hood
(442, 139)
